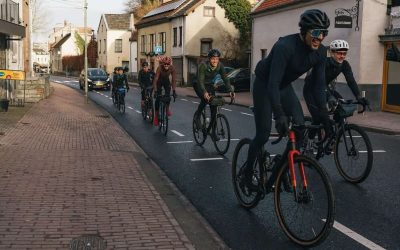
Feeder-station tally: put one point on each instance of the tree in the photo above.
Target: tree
(238, 12)
(39, 16)
(80, 43)
(141, 7)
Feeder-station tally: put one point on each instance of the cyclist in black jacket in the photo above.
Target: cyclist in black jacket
(290, 57)
(335, 65)
(145, 79)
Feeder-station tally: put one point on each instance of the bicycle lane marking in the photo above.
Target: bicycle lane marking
(243, 113)
(178, 142)
(355, 236)
(230, 110)
(177, 133)
(207, 159)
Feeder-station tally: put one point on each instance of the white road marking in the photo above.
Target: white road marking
(196, 102)
(58, 81)
(226, 109)
(177, 133)
(110, 98)
(243, 113)
(357, 237)
(184, 100)
(97, 92)
(354, 136)
(374, 151)
(101, 94)
(130, 108)
(178, 142)
(207, 159)
(137, 111)
(106, 95)
(231, 139)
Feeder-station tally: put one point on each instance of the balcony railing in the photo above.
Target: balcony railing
(9, 11)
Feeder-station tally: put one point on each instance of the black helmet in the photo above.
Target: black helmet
(314, 19)
(214, 53)
(126, 69)
(116, 68)
(145, 64)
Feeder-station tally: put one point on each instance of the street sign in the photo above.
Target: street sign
(12, 74)
(158, 49)
(343, 21)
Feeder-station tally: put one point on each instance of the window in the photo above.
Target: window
(118, 45)
(175, 31)
(180, 36)
(206, 46)
(99, 46)
(143, 44)
(105, 46)
(163, 41)
(263, 53)
(209, 11)
(152, 42)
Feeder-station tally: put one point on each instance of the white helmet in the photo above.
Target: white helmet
(339, 45)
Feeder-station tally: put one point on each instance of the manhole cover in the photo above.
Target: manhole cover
(103, 116)
(88, 242)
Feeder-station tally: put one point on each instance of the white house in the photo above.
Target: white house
(113, 37)
(40, 57)
(365, 21)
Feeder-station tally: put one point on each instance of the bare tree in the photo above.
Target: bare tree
(39, 16)
(141, 7)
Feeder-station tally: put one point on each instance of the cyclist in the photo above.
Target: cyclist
(120, 80)
(161, 80)
(113, 81)
(290, 57)
(205, 86)
(145, 79)
(335, 65)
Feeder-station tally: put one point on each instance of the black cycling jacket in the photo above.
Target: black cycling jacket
(290, 58)
(145, 79)
(333, 69)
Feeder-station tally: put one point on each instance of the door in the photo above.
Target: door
(391, 85)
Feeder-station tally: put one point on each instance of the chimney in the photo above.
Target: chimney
(132, 22)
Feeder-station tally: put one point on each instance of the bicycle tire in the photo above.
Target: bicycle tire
(144, 110)
(150, 111)
(122, 104)
(224, 134)
(306, 197)
(165, 122)
(160, 116)
(344, 171)
(238, 161)
(199, 134)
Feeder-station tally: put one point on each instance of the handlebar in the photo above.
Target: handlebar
(222, 96)
(343, 101)
(299, 128)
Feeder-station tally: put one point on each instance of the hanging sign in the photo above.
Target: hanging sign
(12, 74)
(343, 22)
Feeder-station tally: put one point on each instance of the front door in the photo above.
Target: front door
(391, 85)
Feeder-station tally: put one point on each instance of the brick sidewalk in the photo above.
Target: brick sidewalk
(68, 169)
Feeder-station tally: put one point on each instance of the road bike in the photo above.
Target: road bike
(148, 107)
(303, 194)
(162, 114)
(201, 126)
(351, 147)
(120, 99)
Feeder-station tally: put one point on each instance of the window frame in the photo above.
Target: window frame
(119, 44)
(175, 37)
(206, 11)
(180, 36)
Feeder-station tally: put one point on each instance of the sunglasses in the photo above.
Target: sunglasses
(341, 53)
(316, 33)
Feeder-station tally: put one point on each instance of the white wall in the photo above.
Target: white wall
(101, 35)
(176, 23)
(115, 59)
(133, 58)
(366, 53)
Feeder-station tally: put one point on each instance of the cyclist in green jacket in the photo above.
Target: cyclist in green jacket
(205, 88)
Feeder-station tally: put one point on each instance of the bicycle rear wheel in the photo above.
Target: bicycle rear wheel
(122, 104)
(247, 198)
(144, 110)
(308, 217)
(199, 130)
(223, 132)
(353, 154)
(150, 110)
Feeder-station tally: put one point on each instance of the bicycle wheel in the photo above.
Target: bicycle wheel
(353, 153)
(113, 97)
(165, 121)
(144, 110)
(223, 133)
(247, 198)
(308, 218)
(150, 111)
(160, 116)
(199, 130)
(122, 104)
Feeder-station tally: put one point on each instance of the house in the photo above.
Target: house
(358, 22)
(40, 57)
(63, 42)
(113, 37)
(14, 36)
(184, 30)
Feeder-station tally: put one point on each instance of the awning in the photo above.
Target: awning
(12, 29)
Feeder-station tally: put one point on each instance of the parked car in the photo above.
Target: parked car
(228, 69)
(239, 79)
(97, 79)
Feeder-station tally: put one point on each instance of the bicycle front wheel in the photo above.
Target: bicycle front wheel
(353, 153)
(247, 198)
(144, 110)
(305, 213)
(199, 128)
(223, 134)
(122, 104)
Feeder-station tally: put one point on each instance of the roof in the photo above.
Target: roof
(273, 4)
(186, 8)
(118, 21)
(61, 41)
(168, 6)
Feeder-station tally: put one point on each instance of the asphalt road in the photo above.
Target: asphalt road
(367, 215)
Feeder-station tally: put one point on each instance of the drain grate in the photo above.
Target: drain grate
(88, 242)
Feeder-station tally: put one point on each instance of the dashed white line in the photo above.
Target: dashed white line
(177, 133)
(106, 96)
(184, 100)
(357, 237)
(231, 139)
(196, 102)
(243, 113)
(178, 142)
(130, 108)
(137, 111)
(207, 159)
(226, 109)
(110, 98)
(374, 151)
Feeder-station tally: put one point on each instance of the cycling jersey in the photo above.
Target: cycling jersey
(206, 75)
(121, 81)
(333, 69)
(161, 80)
(145, 79)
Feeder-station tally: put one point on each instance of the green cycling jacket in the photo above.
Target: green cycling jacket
(206, 76)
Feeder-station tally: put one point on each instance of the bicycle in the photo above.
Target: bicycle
(120, 99)
(201, 128)
(302, 189)
(162, 114)
(350, 143)
(147, 108)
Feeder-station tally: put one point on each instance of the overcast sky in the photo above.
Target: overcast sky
(57, 11)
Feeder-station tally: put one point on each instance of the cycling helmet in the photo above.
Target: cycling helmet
(145, 64)
(314, 19)
(126, 69)
(214, 53)
(115, 69)
(339, 45)
(165, 60)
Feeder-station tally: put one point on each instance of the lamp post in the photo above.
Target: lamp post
(86, 79)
